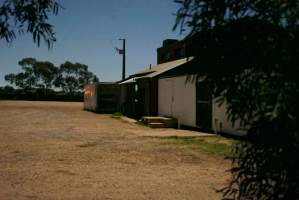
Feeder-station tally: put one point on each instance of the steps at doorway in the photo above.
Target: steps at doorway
(159, 122)
(156, 125)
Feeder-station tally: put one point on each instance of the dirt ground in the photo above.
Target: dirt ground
(55, 150)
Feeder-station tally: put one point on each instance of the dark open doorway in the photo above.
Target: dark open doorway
(203, 106)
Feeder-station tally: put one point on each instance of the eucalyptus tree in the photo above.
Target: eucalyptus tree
(36, 74)
(73, 77)
(30, 16)
(45, 73)
(26, 79)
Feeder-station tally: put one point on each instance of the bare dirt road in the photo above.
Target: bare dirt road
(53, 150)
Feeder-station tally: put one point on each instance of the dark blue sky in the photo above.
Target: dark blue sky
(88, 32)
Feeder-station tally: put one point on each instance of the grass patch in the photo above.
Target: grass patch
(211, 144)
(117, 115)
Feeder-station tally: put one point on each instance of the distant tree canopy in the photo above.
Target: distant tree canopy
(45, 75)
(30, 16)
(248, 51)
(73, 76)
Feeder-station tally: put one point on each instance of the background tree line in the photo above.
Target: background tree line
(44, 78)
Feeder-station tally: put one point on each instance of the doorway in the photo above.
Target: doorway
(203, 106)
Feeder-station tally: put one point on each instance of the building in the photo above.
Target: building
(188, 98)
(145, 83)
(103, 97)
(173, 88)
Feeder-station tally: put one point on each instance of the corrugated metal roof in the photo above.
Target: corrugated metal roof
(155, 70)
(161, 68)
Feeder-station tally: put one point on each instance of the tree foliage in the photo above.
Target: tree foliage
(45, 75)
(30, 16)
(248, 51)
(74, 76)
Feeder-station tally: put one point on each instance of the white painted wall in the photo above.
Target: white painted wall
(177, 98)
(165, 97)
(221, 123)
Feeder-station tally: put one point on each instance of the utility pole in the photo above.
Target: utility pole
(123, 52)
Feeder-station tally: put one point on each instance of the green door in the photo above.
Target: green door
(203, 106)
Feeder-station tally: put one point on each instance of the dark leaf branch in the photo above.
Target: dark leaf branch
(31, 16)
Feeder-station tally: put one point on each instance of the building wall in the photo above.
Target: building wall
(177, 98)
(175, 50)
(171, 52)
(108, 97)
(221, 123)
(147, 89)
(102, 97)
(90, 97)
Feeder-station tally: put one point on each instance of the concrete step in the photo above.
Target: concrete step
(148, 119)
(158, 121)
(156, 125)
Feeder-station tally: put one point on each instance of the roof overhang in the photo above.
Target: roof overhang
(129, 81)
